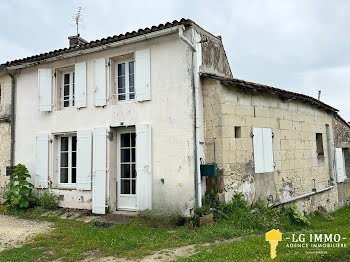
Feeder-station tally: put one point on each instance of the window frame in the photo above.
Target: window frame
(127, 82)
(71, 99)
(70, 152)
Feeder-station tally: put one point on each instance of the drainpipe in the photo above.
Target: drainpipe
(195, 70)
(330, 154)
(12, 117)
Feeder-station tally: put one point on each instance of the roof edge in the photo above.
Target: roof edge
(225, 80)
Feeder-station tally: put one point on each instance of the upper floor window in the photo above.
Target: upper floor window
(125, 83)
(68, 90)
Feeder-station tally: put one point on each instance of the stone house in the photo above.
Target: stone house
(128, 122)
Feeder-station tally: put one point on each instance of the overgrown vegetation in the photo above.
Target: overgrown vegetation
(18, 193)
(48, 201)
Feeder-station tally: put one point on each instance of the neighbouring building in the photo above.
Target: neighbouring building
(127, 123)
(5, 135)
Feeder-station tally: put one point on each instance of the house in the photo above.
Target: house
(127, 122)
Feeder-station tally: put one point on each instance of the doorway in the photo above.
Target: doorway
(126, 170)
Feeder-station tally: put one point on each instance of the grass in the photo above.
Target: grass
(257, 249)
(72, 240)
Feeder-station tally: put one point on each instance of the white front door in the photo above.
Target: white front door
(126, 170)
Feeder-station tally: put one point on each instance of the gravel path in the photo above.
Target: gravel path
(14, 231)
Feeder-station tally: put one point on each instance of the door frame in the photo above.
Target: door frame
(126, 130)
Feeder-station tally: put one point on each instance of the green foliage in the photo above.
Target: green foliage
(211, 200)
(18, 193)
(296, 216)
(201, 211)
(48, 201)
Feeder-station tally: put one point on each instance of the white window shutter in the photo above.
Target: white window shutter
(99, 171)
(100, 82)
(42, 161)
(143, 167)
(45, 89)
(84, 154)
(80, 85)
(340, 165)
(143, 75)
(269, 164)
(258, 144)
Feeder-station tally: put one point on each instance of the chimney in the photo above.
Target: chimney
(76, 40)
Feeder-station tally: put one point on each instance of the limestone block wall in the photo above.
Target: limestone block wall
(298, 167)
(5, 142)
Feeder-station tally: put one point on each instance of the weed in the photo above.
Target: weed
(48, 201)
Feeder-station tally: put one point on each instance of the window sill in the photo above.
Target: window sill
(66, 186)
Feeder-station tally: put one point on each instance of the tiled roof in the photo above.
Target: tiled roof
(100, 42)
(283, 94)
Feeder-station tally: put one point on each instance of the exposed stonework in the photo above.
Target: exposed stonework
(298, 167)
(5, 139)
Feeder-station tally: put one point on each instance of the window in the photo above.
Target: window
(125, 83)
(238, 132)
(67, 92)
(263, 150)
(319, 144)
(128, 163)
(0, 97)
(68, 159)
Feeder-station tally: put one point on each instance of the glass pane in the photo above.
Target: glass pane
(121, 69)
(125, 171)
(74, 175)
(133, 171)
(131, 96)
(131, 67)
(125, 184)
(64, 143)
(66, 91)
(133, 159)
(66, 104)
(64, 159)
(125, 153)
(64, 175)
(73, 78)
(121, 84)
(133, 140)
(133, 187)
(125, 140)
(74, 159)
(74, 143)
(66, 79)
(121, 97)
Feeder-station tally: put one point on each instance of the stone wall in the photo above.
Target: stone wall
(5, 139)
(298, 167)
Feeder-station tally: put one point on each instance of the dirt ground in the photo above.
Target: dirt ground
(15, 231)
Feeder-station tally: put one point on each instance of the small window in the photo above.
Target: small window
(125, 81)
(68, 90)
(319, 144)
(238, 132)
(68, 159)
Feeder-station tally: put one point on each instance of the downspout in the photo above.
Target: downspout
(330, 154)
(12, 117)
(195, 70)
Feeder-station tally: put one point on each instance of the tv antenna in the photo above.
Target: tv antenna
(78, 18)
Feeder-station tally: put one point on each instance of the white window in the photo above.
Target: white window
(67, 159)
(124, 82)
(263, 150)
(68, 90)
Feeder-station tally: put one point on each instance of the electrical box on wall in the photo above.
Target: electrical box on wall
(210, 170)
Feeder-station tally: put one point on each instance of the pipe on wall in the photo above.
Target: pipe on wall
(12, 117)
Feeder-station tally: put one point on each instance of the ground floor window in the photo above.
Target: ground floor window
(68, 159)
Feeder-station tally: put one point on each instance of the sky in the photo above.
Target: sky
(301, 46)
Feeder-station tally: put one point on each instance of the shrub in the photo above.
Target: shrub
(295, 215)
(201, 211)
(48, 201)
(18, 193)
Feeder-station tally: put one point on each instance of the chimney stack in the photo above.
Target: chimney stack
(76, 40)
